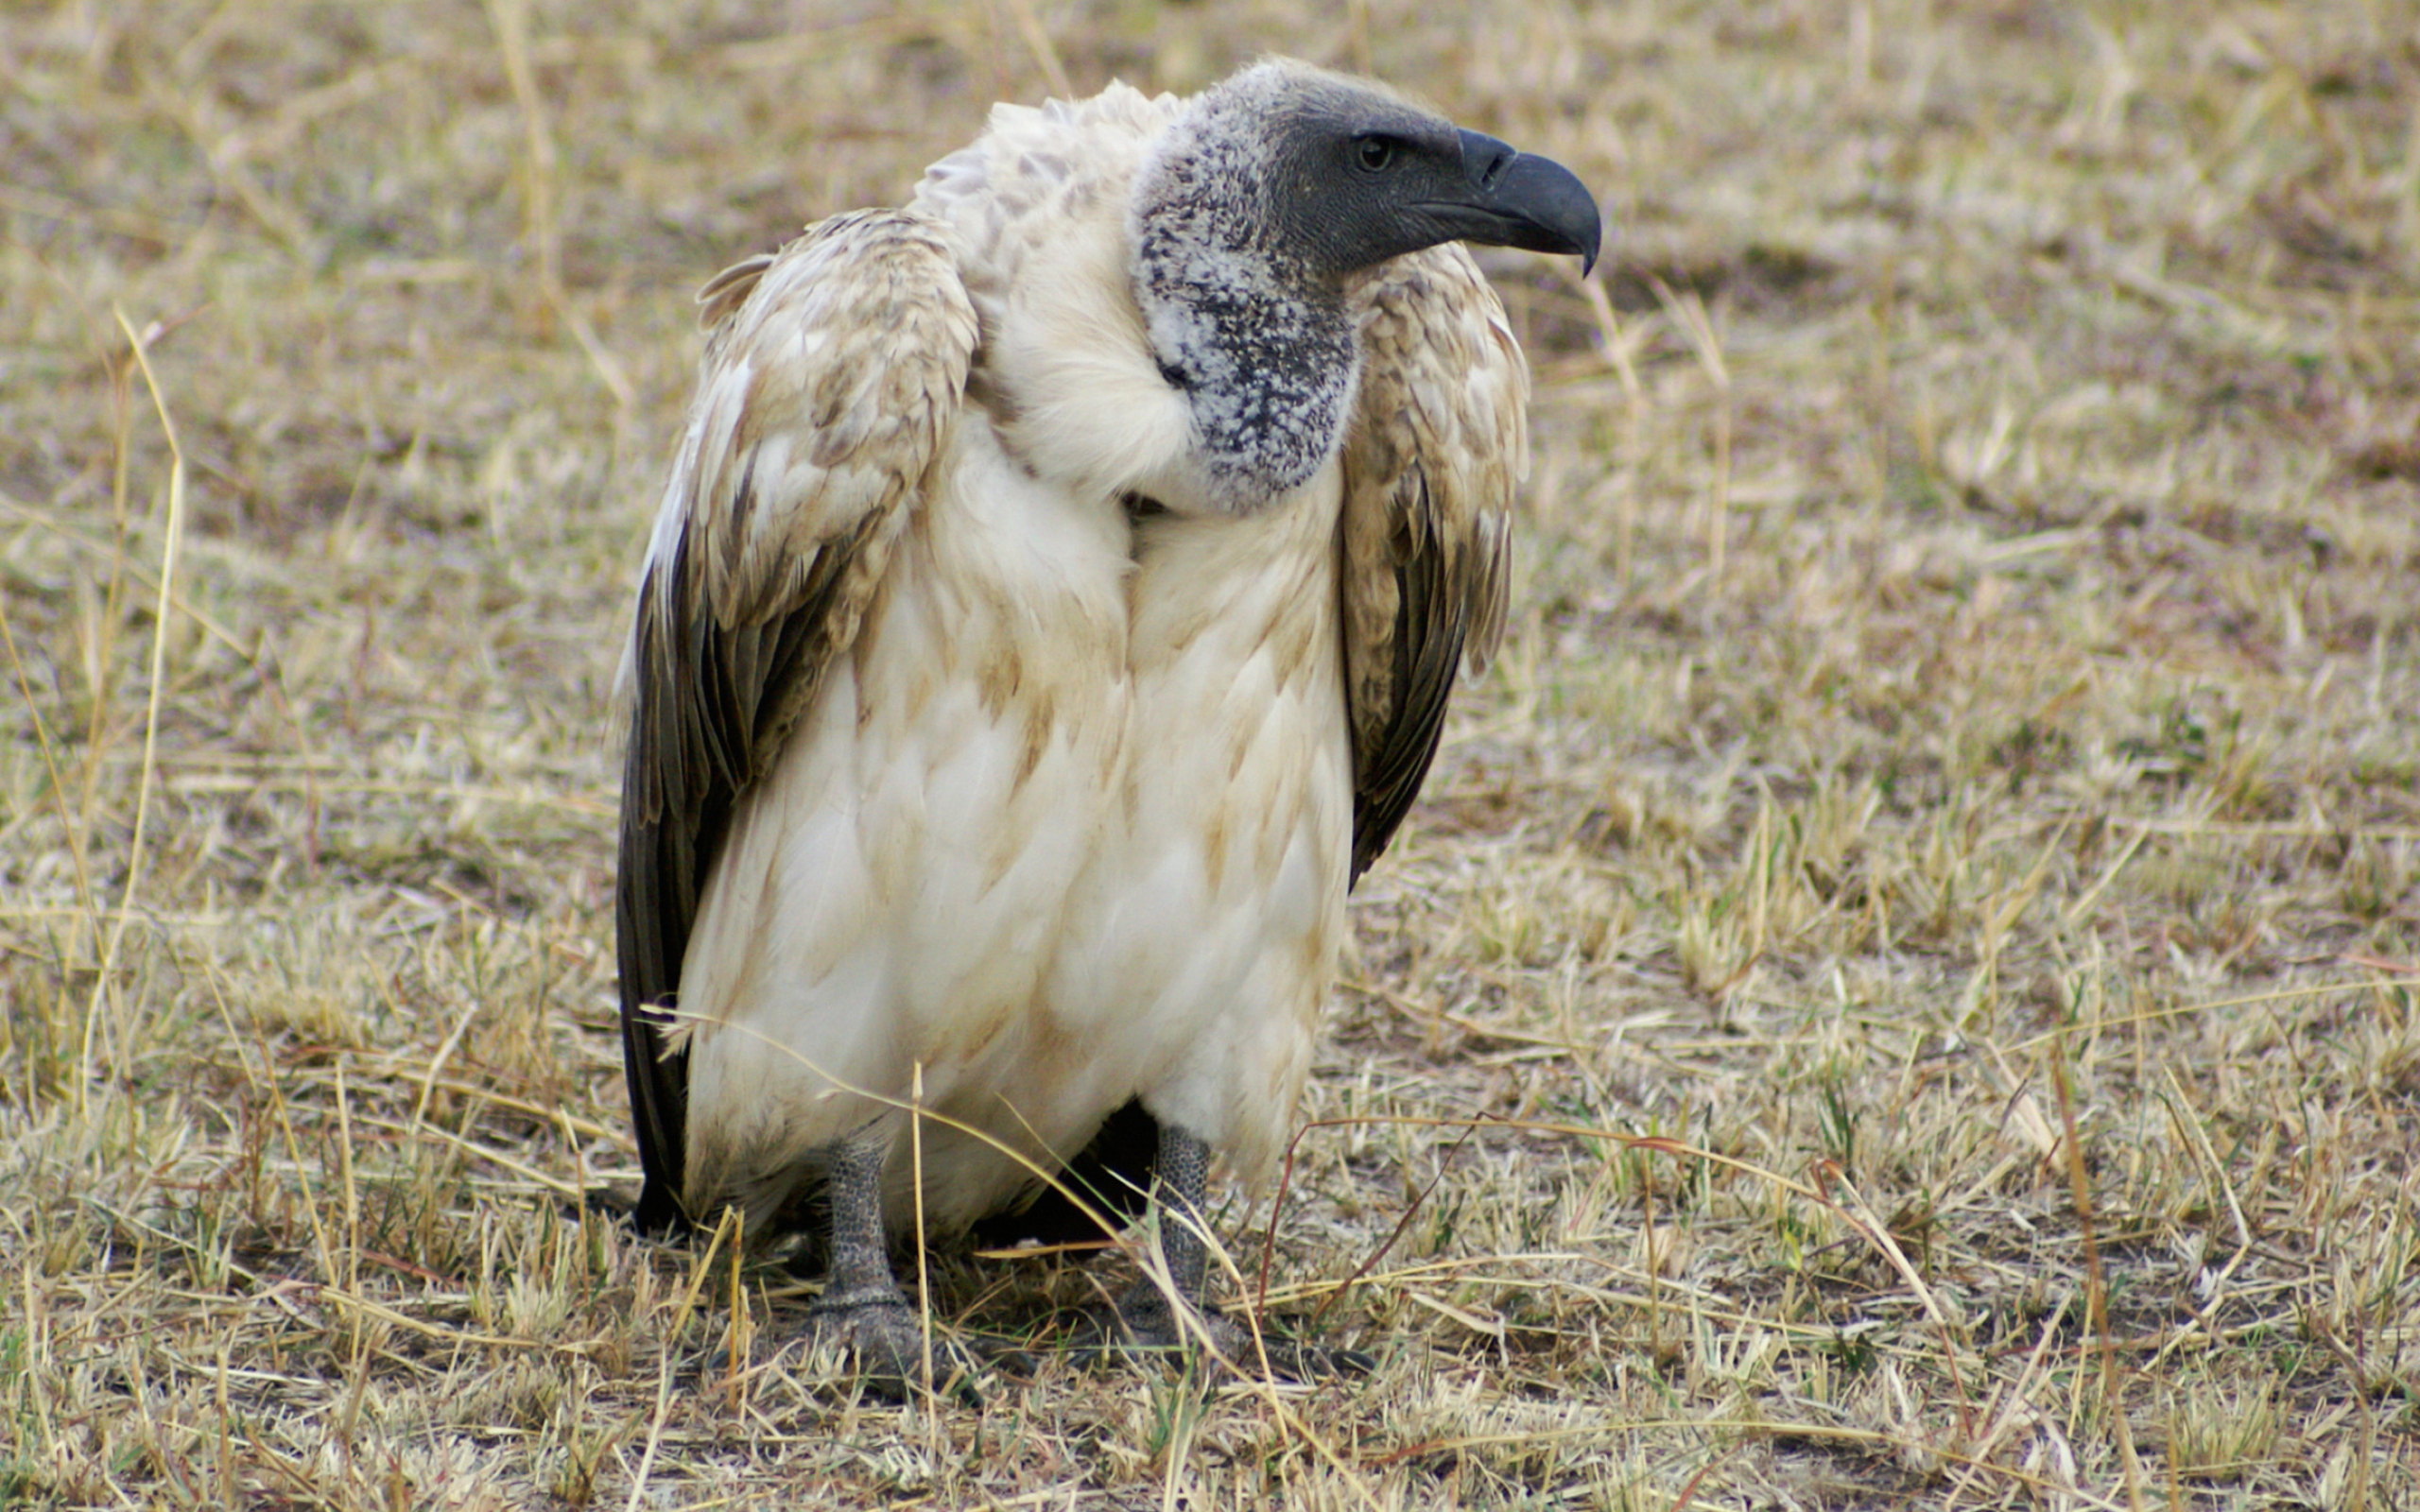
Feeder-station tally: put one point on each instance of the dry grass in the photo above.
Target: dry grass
(1901, 993)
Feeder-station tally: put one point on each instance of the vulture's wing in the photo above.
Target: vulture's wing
(833, 369)
(1438, 442)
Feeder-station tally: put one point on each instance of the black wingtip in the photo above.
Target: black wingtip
(658, 1214)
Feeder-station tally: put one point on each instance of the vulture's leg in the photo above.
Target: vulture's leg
(1180, 1192)
(862, 1307)
(1148, 1314)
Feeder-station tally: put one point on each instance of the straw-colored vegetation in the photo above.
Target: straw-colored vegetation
(1901, 992)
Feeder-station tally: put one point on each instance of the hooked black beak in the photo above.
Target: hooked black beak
(1518, 200)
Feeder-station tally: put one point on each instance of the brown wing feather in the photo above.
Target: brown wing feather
(1437, 443)
(833, 369)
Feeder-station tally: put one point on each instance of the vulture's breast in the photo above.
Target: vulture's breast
(1202, 941)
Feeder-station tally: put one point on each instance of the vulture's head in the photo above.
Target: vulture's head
(1258, 204)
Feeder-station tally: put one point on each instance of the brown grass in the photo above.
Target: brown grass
(1901, 991)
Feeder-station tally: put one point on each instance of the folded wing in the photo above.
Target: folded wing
(833, 369)
(1438, 442)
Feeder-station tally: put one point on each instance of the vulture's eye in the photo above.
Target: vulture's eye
(1371, 154)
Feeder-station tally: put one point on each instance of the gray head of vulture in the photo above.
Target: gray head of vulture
(1251, 216)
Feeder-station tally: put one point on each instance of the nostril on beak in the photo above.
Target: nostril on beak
(1484, 160)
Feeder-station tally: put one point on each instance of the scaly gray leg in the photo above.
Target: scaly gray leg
(1179, 1191)
(862, 1307)
(1147, 1316)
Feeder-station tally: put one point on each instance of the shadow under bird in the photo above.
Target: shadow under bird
(1051, 613)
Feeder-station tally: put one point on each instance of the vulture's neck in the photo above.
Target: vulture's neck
(1259, 343)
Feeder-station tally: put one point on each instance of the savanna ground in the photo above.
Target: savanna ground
(1901, 992)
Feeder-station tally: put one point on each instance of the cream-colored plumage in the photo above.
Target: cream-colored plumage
(1251, 800)
(990, 744)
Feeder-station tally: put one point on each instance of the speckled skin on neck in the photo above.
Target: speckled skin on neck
(1246, 322)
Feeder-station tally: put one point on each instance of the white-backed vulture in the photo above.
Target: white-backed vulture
(1051, 613)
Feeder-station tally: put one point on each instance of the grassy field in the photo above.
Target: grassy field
(1901, 991)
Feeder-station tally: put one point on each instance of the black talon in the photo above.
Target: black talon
(885, 1340)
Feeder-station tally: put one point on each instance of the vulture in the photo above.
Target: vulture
(1050, 613)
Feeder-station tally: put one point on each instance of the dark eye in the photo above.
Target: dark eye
(1372, 153)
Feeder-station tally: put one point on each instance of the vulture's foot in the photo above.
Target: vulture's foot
(862, 1310)
(885, 1339)
(1146, 1325)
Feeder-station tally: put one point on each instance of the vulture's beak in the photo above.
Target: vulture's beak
(1518, 199)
